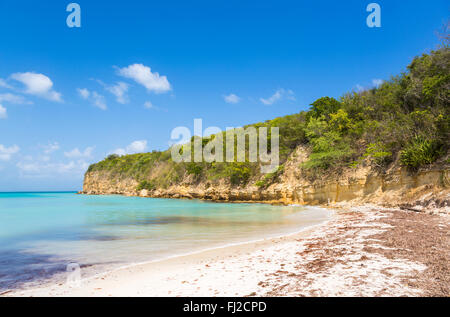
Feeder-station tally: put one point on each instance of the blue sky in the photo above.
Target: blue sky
(137, 69)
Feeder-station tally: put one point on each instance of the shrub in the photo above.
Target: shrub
(420, 152)
(325, 159)
(239, 173)
(261, 183)
(328, 146)
(324, 107)
(112, 157)
(270, 177)
(148, 185)
(378, 153)
(194, 169)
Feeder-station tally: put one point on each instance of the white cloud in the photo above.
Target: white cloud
(120, 152)
(142, 75)
(48, 169)
(50, 148)
(42, 166)
(99, 100)
(38, 85)
(120, 91)
(84, 93)
(135, 147)
(231, 98)
(76, 153)
(3, 113)
(4, 84)
(11, 98)
(7, 152)
(149, 105)
(94, 97)
(377, 82)
(277, 96)
(28, 167)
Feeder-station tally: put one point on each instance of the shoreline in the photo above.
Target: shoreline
(217, 201)
(228, 248)
(350, 254)
(423, 205)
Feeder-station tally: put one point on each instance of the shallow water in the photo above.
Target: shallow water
(40, 233)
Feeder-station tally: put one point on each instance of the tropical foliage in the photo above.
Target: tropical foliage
(405, 120)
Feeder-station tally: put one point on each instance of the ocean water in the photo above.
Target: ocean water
(41, 233)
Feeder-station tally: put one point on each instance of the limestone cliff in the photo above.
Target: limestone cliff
(397, 186)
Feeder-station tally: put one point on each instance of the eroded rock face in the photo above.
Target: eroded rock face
(389, 190)
(97, 183)
(358, 186)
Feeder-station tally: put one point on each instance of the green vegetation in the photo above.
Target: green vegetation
(421, 151)
(403, 121)
(194, 169)
(378, 154)
(148, 185)
(239, 173)
(270, 177)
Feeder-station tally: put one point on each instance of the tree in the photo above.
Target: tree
(324, 107)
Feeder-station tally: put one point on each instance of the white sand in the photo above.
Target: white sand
(286, 266)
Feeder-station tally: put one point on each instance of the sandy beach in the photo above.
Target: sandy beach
(364, 251)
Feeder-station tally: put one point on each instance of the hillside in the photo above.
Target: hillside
(385, 145)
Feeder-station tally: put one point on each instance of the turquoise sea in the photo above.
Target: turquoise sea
(41, 233)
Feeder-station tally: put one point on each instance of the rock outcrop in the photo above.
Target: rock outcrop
(395, 187)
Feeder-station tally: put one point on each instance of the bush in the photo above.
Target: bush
(324, 107)
(261, 183)
(328, 146)
(112, 157)
(270, 177)
(148, 185)
(194, 169)
(239, 173)
(420, 152)
(378, 153)
(325, 159)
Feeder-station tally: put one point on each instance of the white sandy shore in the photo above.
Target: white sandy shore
(284, 266)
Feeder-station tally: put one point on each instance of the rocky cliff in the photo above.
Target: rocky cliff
(395, 187)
